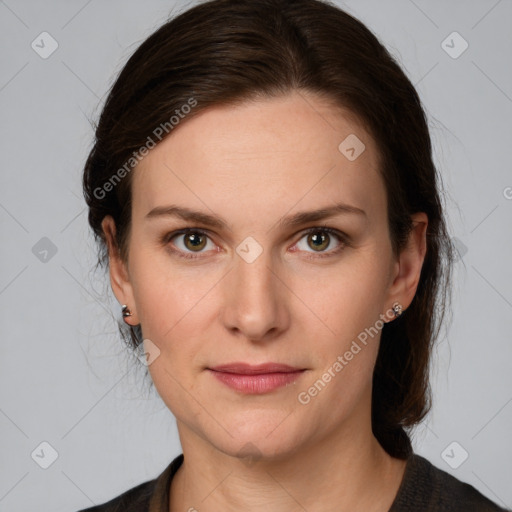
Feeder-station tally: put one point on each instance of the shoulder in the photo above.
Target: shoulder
(425, 487)
(135, 499)
(150, 495)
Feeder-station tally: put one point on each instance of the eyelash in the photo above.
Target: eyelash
(344, 241)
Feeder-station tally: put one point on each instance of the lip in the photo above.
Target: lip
(258, 369)
(256, 379)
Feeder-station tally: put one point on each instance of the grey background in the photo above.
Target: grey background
(66, 378)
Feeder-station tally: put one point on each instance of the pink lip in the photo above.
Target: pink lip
(256, 379)
(249, 369)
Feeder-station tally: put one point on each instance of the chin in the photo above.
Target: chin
(252, 442)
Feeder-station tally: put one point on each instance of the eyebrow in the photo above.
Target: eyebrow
(219, 223)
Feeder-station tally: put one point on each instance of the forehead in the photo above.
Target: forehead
(296, 151)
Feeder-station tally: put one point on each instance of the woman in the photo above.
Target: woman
(263, 190)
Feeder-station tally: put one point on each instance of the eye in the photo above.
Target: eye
(189, 241)
(320, 239)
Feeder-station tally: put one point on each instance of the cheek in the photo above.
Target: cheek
(348, 297)
(176, 307)
(164, 292)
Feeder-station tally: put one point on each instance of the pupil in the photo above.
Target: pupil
(320, 239)
(194, 239)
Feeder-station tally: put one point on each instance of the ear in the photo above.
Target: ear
(119, 276)
(410, 261)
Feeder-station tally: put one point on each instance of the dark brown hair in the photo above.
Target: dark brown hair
(223, 52)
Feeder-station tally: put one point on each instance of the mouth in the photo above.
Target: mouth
(256, 379)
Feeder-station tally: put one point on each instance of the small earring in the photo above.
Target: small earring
(126, 312)
(397, 309)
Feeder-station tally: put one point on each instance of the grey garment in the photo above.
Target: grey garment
(424, 488)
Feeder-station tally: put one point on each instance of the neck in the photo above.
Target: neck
(346, 471)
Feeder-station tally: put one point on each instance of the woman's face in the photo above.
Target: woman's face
(250, 285)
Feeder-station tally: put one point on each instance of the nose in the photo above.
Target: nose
(255, 300)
